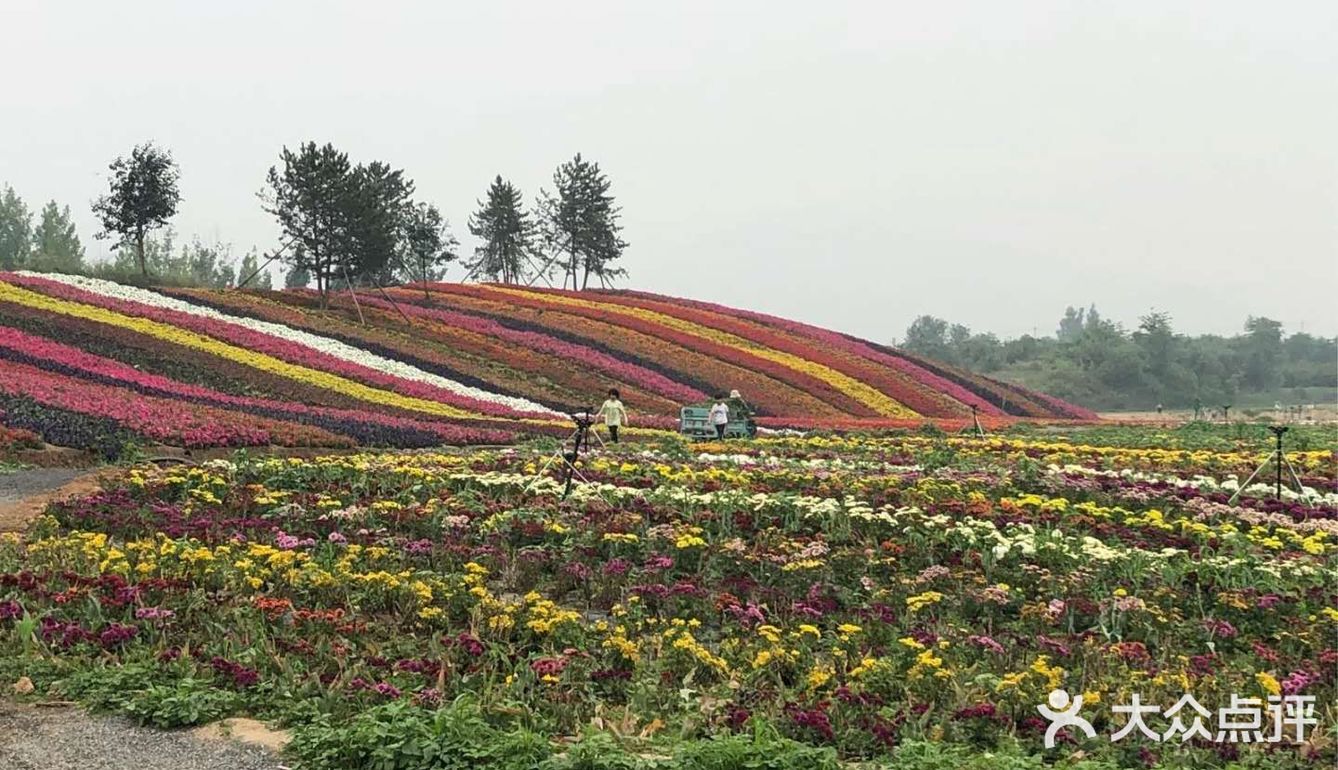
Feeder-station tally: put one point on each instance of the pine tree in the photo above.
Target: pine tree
(507, 233)
(16, 227)
(307, 198)
(250, 268)
(56, 247)
(298, 277)
(344, 221)
(579, 224)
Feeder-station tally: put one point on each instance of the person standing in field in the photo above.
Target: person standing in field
(613, 413)
(720, 417)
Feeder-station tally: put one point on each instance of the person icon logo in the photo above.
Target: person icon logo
(1063, 713)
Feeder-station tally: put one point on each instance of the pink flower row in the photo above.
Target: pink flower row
(265, 343)
(43, 348)
(157, 418)
(840, 342)
(625, 372)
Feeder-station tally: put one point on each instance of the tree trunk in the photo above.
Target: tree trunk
(139, 252)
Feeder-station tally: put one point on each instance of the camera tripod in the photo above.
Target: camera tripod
(1277, 458)
(579, 439)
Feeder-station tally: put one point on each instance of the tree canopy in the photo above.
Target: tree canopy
(56, 245)
(506, 234)
(16, 230)
(579, 223)
(143, 196)
(345, 222)
(426, 246)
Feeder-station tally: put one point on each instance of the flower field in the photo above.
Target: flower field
(904, 601)
(96, 364)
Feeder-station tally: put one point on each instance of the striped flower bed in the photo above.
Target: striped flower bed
(443, 364)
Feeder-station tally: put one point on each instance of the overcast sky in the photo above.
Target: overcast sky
(849, 164)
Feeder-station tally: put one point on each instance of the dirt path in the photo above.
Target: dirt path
(26, 493)
(68, 739)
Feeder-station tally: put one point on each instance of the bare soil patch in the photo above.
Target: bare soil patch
(25, 493)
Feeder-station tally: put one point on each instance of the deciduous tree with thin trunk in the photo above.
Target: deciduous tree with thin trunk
(426, 247)
(143, 196)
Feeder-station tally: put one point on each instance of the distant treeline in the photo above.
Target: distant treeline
(1098, 363)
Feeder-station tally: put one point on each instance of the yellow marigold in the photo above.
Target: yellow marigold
(1268, 682)
(920, 601)
(818, 677)
(1054, 675)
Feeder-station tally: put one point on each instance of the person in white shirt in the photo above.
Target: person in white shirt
(613, 413)
(720, 417)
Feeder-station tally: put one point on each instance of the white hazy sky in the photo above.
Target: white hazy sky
(850, 164)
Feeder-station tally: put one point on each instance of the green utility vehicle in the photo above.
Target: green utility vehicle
(694, 420)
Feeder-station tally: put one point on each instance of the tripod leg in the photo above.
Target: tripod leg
(1300, 488)
(598, 438)
(568, 473)
(1267, 461)
(540, 473)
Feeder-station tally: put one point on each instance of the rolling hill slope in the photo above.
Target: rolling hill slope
(89, 361)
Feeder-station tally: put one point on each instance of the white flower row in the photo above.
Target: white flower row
(332, 347)
(1229, 484)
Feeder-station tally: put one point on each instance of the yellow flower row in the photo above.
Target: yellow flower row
(227, 351)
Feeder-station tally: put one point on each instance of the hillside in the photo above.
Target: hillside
(93, 363)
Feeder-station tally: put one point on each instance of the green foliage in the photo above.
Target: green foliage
(1096, 363)
(345, 222)
(596, 751)
(143, 195)
(399, 736)
(298, 276)
(56, 246)
(579, 223)
(507, 234)
(15, 231)
(196, 264)
(110, 688)
(761, 750)
(250, 268)
(427, 246)
(182, 703)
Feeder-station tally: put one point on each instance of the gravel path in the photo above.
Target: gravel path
(16, 485)
(25, 493)
(69, 739)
